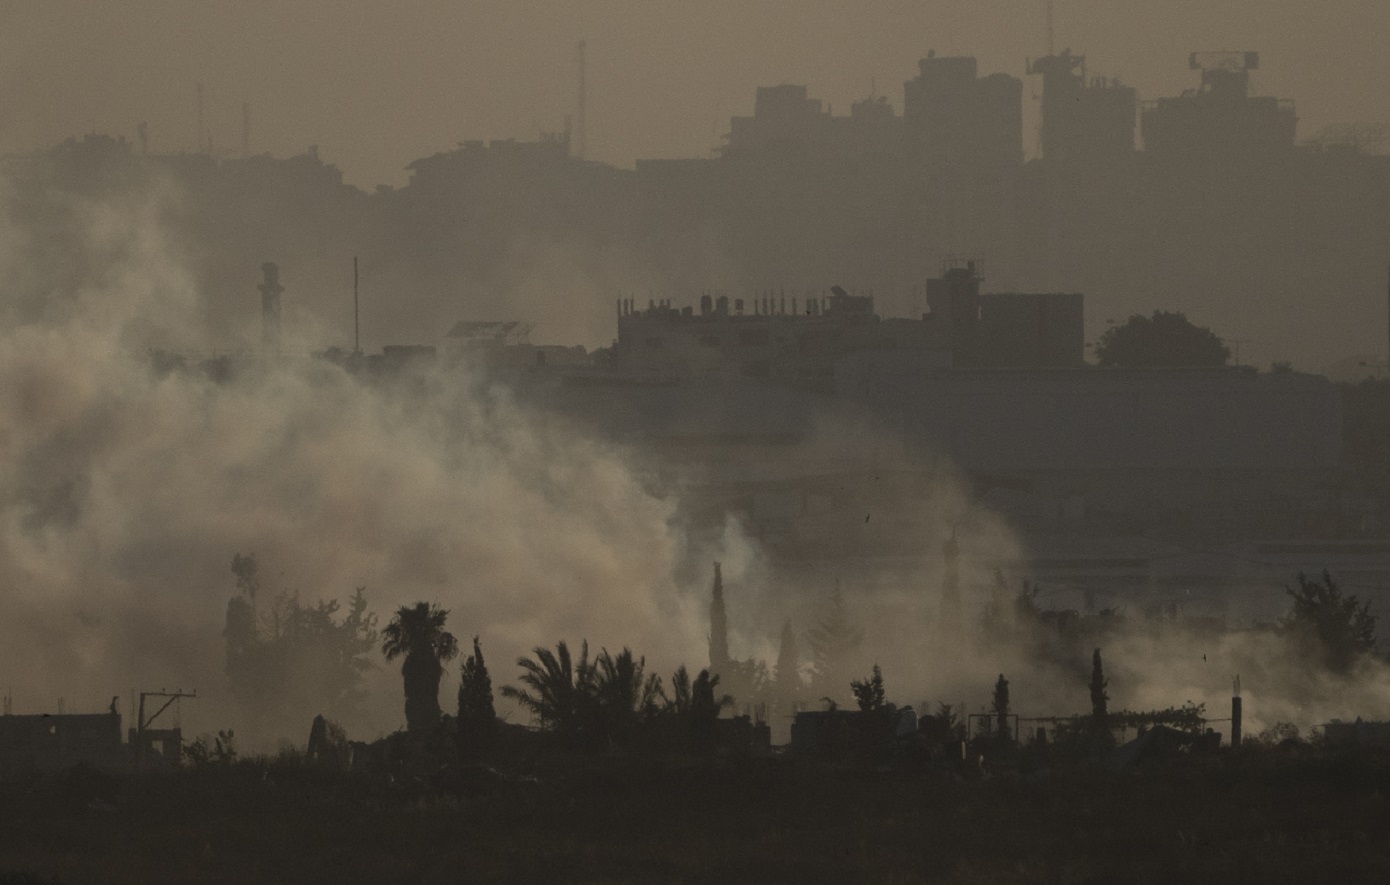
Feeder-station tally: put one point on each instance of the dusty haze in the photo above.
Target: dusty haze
(376, 84)
(124, 492)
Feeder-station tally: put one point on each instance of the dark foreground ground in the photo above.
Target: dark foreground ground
(1251, 817)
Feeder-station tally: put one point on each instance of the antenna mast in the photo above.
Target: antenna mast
(356, 328)
(580, 135)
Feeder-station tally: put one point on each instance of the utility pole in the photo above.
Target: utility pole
(142, 736)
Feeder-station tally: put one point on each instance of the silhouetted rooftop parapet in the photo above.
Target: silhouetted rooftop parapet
(1083, 118)
(1220, 116)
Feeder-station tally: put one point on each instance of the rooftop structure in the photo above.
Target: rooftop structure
(1220, 116)
(43, 743)
(799, 337)
(786, 121)
(956, 118)
(1083, 119)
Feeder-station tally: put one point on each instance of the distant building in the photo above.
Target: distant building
(794, 339)
(799, 338)
(43, 743)
(787, 122)
(1220, 117)
(507, 345)
(1083, 119)
(1357, 734)
(1008, 330)
(956, 119)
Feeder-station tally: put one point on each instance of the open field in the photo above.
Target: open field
(1260, 816)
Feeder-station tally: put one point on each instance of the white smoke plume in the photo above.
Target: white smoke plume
(124, 493)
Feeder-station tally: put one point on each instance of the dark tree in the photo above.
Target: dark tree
(718, 626)
(868, 693)
(705, 708)
(477, 719)
(624, 698)
(295, 657)
(1165, 340)
(787, 678)
(247, 572)
(1098, 696)
(1101, 736)
(558, 692)
(1341, 624)
(833, 640)
(995, 619)
(1001, 706)
(417, 633)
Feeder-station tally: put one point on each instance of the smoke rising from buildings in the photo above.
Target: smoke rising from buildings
(126, 486)
(127, 489)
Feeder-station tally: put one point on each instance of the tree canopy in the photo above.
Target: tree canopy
(417, 633)
(288, 656)
(1339, 622)
(1164, 340)
(834, 640)
(477, 718)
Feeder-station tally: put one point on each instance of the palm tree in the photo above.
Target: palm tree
(418, 633)
(624, 697)
(559, 694)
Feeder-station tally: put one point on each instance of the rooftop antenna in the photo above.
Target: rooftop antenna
(580, 135)
(356, 328)
(198, 142)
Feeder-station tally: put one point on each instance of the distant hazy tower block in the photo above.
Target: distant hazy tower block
(1083, 119)
(1220, 116)
(270, 290)
(956, 119)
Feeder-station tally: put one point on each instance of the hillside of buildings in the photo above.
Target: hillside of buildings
(1206, 202)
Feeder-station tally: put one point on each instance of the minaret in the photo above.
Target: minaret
(270, 289)
(718, 627)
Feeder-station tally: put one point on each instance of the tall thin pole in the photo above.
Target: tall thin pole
(356, 328)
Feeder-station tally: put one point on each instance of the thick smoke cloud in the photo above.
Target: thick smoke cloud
(126, 490)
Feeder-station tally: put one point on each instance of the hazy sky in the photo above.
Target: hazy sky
(376, 84)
